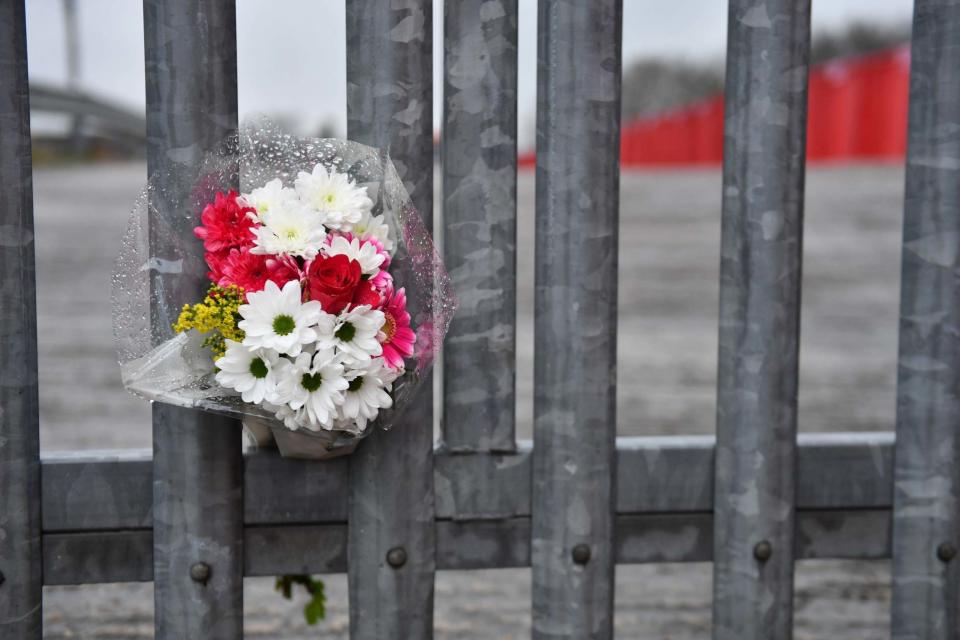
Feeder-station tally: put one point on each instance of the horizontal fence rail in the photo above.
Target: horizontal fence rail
(97, 512)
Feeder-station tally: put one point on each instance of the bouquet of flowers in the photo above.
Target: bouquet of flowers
(326, 299)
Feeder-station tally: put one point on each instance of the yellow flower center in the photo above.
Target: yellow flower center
(389, 326)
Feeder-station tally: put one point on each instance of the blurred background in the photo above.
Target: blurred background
(87, 99)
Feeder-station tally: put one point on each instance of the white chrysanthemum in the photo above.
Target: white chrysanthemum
(326, 326)
(371, 226)
(334, 195)
(291, 419)
(271, 196)
(365, 253)
(249, 371)
(367, 393)
(312, 386)
(356, 334)
(289, 230)
(276, 319)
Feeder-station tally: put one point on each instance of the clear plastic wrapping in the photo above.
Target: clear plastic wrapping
(162, 267)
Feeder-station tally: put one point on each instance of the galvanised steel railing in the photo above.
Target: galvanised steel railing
(195, 515)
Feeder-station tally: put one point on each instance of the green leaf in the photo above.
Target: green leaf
(316, 609)
(284, 585)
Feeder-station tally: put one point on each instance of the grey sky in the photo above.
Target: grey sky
(291, 52)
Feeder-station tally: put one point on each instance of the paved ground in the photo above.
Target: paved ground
(669, 254)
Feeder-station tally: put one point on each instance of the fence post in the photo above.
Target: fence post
(21, 577)
(574, 456)
(191, 80)
(926, 576)
(760, 265)
(391, 549)
(479, 148)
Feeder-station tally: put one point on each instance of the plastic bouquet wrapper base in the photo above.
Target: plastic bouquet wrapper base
(324, 225)
(322, 445)
(177, 373)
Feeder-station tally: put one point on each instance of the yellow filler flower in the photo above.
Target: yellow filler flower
(217, 317)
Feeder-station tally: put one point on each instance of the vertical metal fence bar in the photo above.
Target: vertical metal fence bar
(480, 222)
(191, 80)
(574, 458)
(21, 577)
(391, 549)
(926, 578)
(761, 253)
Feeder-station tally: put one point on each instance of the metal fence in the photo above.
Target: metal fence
(199, 515)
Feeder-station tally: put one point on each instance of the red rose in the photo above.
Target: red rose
(333, 281)
(366, 294)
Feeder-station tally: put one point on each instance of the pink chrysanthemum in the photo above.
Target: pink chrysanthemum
(215, 260)
(250, 271)
(227, 223)
(396, 336)
(382, 282)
